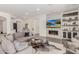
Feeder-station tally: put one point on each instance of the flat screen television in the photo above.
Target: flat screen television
(56, 23)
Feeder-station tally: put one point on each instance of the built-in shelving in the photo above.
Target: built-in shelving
(71, 30)
(70, 20)
(70, 24)
(70, 14)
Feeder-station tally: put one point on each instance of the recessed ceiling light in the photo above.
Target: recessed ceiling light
(38, 9)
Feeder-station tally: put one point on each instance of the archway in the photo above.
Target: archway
(6, 19)
(2, 22)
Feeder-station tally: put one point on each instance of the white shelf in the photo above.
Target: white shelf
(67, 23)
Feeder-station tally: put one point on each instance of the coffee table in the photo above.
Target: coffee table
(37, 43)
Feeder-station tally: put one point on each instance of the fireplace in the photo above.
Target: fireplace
(53, 32)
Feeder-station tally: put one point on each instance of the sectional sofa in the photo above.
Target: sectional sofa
(11, 45)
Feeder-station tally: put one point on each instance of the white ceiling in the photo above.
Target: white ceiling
(20, 10)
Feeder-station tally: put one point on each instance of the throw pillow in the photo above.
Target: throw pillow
(7, 46)
(20, 45)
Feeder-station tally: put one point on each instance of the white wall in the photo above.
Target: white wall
(4, 27)
(6, 24)
(1, 26)
(20, 25)
(42, 25)
(33, 24)
(38, 23)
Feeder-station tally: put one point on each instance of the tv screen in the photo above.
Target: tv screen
(54, 23)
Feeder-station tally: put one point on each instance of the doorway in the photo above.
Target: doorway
(15, 26)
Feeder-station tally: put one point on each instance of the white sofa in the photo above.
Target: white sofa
(28, 50)
(21, 47)
(73, 46)
(53, 50)
(1, 50)
(20, 36)
(14, 47)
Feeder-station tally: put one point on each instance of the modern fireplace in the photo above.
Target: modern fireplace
(53, 32)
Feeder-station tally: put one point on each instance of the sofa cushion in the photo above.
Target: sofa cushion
(51, 50)
(1, 51)
(7, 46)
(28, 50)
(60, 46)
(18, 35)
(24, 38)
(75, 40)
(10, 37)
(0, 40)
(20, 45)
(54, 48)
(75, 43)
(71, 46)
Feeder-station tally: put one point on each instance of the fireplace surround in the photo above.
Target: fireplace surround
(53, 32)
